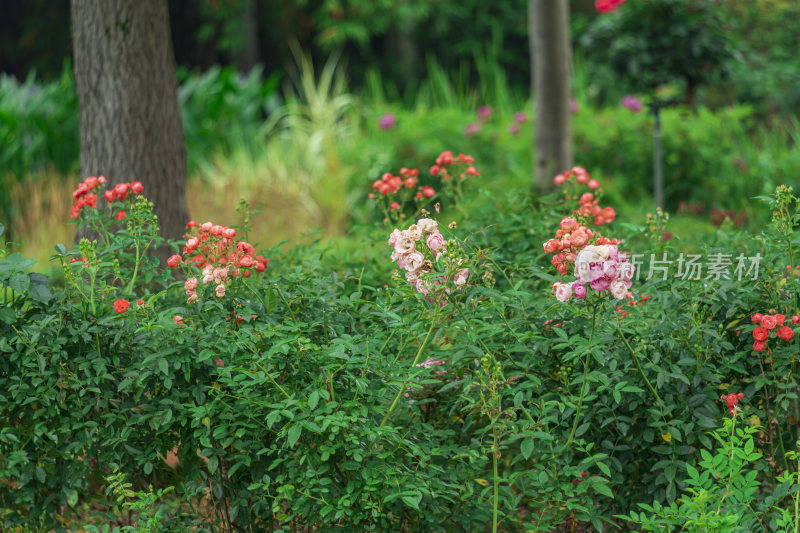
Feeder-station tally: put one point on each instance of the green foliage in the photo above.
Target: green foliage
(720, 490)
(660, 42)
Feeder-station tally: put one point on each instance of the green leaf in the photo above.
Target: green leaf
(8, 315)
(72, 497)
(313, 400)
(601, 486)
(19, 282)
(294, 434)
(163, 366)
(412, 500)
(526, 447)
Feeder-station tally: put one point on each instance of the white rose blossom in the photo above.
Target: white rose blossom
(427, 225)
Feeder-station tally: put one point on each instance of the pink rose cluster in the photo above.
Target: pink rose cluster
(601, 268)
(415, 250)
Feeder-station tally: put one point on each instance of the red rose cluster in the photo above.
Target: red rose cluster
(85, 196)
(214, 245)
(767, 323)
(407, 179)
(389, 184)
(120, 191)
(446, 159)
(590, 207)
(570, 239)
(731, 400)
(581, 176)
(588, 202)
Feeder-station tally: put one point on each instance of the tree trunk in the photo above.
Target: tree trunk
(131, 126)
(548, 22)
(248, 56)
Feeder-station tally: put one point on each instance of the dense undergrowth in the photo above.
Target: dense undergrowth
(433, 384)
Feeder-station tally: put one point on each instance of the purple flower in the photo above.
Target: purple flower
(472, 128)
(520, 117)
(632, 103)
(484, 112)
(513, 128)
(574, 106)
(387, 121)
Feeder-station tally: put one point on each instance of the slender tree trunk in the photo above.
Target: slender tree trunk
(131, 126)
(548, 22)
(249, 55)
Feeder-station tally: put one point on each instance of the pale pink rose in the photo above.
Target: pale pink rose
(563, 291)
(610, 269)
(404, 243)
(626, 272)
(220, 274)
(192, 298)
(435, 242)
(192, 243)
(588, 264)
(393, 237)
(414, 260)
(229, 233)
(208, 270)
(208, 278)
(415, 232)
(206, 226)
(427, 225)
(422, 286)
(190, 284)
(579, 290)
(220, 290)
(412, 276)
(618, 289)
(461, 277)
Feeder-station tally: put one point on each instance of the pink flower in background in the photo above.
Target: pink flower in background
(387, 121)
(513, 128)
(607, 6)
(520, 117)
(574, 106)
(484, 112)
(632, 103)
(472, 128)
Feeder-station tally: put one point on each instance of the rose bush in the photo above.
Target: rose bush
(323, 391)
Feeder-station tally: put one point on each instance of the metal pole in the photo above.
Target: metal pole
(658, 177)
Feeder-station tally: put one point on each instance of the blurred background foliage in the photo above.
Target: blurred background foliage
(297, 132)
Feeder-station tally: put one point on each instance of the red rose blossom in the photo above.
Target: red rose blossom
(760, 333)
(120, 306)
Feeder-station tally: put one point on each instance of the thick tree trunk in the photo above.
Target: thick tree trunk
(548, 22)
(130, 122)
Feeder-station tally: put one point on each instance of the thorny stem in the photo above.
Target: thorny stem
(408, 374)
(496, 478)
(639, 366)
(583, 383)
